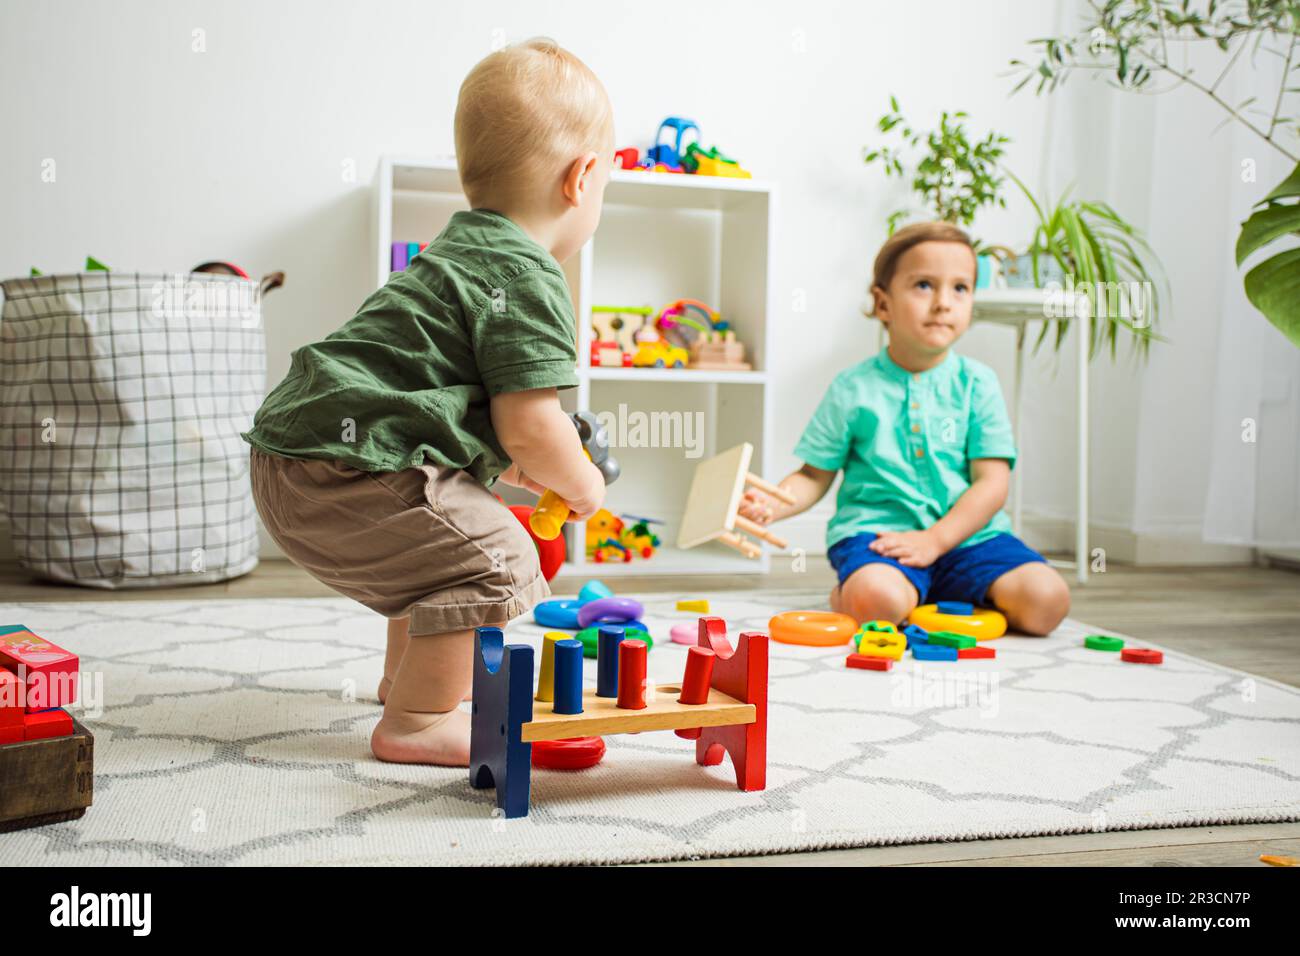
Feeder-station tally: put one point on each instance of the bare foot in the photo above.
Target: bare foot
(423, 738)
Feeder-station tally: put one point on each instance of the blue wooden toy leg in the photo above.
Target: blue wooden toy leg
(502, 704)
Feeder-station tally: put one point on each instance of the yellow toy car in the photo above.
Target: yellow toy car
(660, 354)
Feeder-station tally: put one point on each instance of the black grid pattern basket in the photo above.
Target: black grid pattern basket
(122, 396)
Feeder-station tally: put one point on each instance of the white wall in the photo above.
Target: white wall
(261, 149)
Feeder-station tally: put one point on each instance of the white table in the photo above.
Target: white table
(1017, 308)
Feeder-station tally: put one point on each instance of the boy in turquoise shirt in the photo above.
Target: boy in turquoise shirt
(926, 448)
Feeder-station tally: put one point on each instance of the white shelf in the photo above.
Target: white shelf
(674, 376)
(663, 237)
(706, 559)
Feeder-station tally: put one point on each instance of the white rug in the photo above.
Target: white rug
(236, 732)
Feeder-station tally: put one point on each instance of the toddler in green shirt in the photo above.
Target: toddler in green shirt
(926, 448)
(370, 461)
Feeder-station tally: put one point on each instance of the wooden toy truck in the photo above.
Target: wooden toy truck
(731, 716)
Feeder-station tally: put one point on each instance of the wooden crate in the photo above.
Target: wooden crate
(46, 781)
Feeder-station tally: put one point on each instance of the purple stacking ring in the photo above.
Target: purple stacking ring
(610, 610)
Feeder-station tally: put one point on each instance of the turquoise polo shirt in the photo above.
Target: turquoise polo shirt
(905, 441)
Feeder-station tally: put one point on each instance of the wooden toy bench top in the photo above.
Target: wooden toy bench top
(602, 716)
(713, 504)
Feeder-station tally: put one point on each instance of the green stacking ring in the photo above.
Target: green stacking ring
(1100, 642)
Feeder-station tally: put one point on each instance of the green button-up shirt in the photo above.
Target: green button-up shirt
(481, 311)
(905, 441)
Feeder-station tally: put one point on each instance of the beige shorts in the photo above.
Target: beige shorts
(428, 542)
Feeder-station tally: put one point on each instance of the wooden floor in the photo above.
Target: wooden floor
(1240, 617)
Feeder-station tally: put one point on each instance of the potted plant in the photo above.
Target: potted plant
(1134, 40)
(1102, 257)
(955, 176)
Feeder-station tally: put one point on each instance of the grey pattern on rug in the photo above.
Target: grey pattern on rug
(237, 732)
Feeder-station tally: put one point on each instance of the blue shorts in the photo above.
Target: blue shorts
(963, 574)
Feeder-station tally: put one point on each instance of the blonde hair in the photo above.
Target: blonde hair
(907, 237)
(527, 110)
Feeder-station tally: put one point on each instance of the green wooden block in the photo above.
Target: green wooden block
(949, 639)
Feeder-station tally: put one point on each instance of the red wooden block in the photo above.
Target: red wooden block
(978, 651)
(695, 684)
(864, 663)
(1141, 655)
(51, 672)
(740, 673)
(47, 723)
(11, 735)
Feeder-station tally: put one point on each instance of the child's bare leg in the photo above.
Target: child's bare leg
(398, 636)
(1034, 597)
(422, 722)
(875, 592)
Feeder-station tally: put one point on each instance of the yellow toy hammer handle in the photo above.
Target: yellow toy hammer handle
(547, 519)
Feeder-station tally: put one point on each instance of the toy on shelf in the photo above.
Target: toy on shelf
(679, 156)
(719, 351)
(713, 504)
(958, 618)
(710, 340)
(403, 253)
(812, 628)
(638, 538)
(660, 354)
(711, 162)
(46, 757)
(547, 519)
(721, 705)
(666, 155)
(614, 329)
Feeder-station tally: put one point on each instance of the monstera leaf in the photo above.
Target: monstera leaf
(1273, 286)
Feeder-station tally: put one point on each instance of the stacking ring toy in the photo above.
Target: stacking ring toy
(570, 753)
(562, 614)
(688, 634)
(983, 624)
(812, 628)
(610, 610)
(632, 631)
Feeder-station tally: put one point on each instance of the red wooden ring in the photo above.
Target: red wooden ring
(571, 753)
(1141, 655)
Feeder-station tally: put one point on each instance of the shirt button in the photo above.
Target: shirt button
(914, 405)
(920, 453)
(916, 428)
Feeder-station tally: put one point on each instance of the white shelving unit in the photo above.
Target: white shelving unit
(662, 237)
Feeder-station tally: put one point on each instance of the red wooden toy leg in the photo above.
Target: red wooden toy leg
(741, 673)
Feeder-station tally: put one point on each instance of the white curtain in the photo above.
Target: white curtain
(1254, 489)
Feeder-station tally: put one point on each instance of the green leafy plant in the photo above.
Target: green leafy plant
(1132, 39)
(1108, 262)
(954, 176)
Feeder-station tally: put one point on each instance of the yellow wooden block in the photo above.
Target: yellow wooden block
(699, 607)
(882, 644)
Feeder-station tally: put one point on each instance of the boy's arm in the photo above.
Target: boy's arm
(807, 486)
(545, 448)
(972, 511)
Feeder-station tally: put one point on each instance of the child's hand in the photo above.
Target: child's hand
(583, 507)
(758, 506)
(915, 549)
(514, 476)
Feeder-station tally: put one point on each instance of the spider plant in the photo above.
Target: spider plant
(1105, 259)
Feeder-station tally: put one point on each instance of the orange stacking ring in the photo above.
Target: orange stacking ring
(813, 628)
(983, 625)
